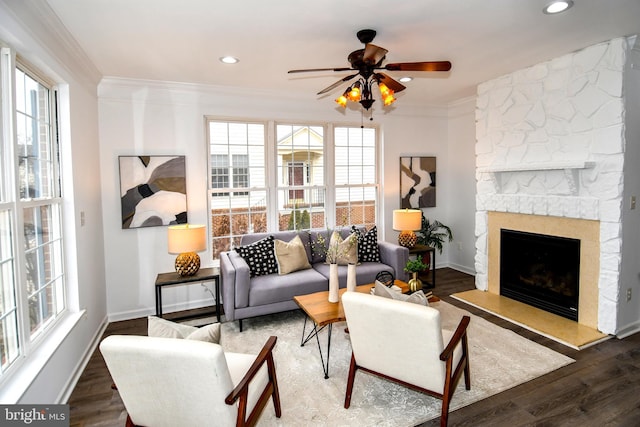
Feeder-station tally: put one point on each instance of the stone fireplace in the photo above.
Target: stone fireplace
(550, 151)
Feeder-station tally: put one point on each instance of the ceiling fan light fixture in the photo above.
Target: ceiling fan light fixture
(384, 90)
(366, 62)
(342, 100)
(388, 99)
(557, 6)
(354, 92)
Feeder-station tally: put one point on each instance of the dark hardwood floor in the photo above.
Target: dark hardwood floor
(602, 388)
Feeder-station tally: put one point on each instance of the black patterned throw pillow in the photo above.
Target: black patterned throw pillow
(367, 244)
(260, 256)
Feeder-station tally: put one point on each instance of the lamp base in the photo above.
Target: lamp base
(187, 263)
(408, 239)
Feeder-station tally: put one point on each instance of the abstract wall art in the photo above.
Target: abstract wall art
(153, 190)
(417, 182)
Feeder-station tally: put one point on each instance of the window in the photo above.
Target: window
(226, 175)
(292, 191)
(301, 178)
(355, 176)
(32, 279)
(234, 212)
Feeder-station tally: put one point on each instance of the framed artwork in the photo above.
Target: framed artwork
(153, 190)
(417, 182)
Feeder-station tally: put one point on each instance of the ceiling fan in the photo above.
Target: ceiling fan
(366, 62)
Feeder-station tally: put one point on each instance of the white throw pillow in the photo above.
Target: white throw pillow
(418, 297)
(291, 256)
(162, 328)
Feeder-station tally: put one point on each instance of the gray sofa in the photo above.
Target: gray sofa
(244, 296)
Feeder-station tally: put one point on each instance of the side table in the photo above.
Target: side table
(171, 279)
(422, 251)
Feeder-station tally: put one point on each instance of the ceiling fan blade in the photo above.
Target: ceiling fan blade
(373, 54)
(336, 84)
(419, 66)
(320, 69)
(390, 83)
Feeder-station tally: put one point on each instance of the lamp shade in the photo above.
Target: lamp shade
(407, 219)
(187, 238)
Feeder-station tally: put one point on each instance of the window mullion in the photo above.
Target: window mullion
(329, 170)
(272, 175)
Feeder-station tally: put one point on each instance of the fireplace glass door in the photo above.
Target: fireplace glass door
(540, 270)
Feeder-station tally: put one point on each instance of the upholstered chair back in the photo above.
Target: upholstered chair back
(396, 338)
(177, 382)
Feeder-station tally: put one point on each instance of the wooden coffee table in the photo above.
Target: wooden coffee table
(324, 313)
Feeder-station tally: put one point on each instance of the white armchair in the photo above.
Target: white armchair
(386, 334)
(177, 382)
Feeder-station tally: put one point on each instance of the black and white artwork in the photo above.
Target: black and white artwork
(153, 191)
(417, 182)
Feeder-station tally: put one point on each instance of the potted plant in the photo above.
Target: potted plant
(433, 233)
(415, 266)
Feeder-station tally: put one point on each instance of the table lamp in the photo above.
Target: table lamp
(406, 221)
(185, 240)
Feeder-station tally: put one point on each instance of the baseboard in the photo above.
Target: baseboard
(462, 268)
(166, 308)
(82, 364)
(628, 330)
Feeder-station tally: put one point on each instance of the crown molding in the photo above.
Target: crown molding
(39, 36)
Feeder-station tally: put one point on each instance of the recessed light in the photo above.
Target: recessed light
(557, 6)
(229, 60)
(405, 79)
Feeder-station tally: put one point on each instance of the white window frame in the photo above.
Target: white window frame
(30, 342)
(273, 176)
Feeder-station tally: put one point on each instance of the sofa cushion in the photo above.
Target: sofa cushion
(342, 251)
(162, 328)
(382, 290)
(274, 288)
(365, 273)
(367, 244)
(291, 256)
(260, 256)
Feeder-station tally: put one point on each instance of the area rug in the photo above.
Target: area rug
(499, 359)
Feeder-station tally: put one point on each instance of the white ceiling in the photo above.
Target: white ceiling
(181, 40)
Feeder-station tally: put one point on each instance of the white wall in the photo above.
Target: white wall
(29, 27)
(461, 175)
(629, 311)
(142, 117)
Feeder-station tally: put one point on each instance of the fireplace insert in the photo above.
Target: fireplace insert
(541, 270)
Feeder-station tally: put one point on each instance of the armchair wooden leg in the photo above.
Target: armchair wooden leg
(444, 416)
(276, 392)
(467, 370)
(350, 379)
